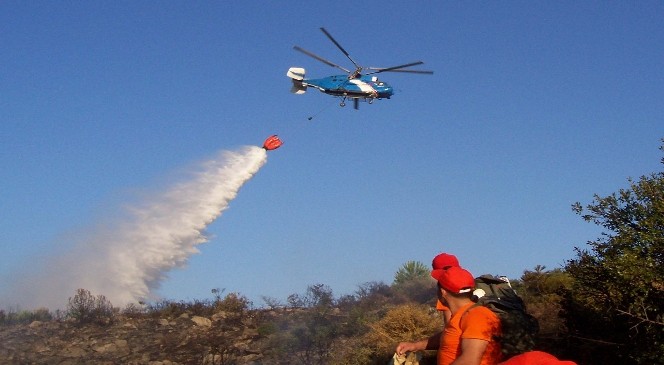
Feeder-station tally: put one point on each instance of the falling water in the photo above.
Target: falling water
(127, 260)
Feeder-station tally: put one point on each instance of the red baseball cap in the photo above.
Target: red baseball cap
(444, 261)
(454, 279)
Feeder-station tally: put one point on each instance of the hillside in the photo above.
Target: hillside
(186, 339)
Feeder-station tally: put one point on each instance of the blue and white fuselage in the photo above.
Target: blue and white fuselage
(363, 87)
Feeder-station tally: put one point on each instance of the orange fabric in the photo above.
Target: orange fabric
(535, 358)
(441, 307)
(477, 323)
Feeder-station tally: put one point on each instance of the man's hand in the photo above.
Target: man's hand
(404, 347)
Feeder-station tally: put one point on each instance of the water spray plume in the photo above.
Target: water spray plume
(129, 259)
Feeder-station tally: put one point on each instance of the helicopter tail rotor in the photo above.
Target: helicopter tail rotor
(296, 73)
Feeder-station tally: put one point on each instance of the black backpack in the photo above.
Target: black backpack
(519, 329)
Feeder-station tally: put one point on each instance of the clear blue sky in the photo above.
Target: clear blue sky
(533, 105)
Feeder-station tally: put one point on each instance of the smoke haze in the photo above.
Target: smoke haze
(126, 260)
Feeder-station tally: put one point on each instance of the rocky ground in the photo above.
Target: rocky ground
(134, 341)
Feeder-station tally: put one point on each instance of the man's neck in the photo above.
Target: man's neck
(456, 304)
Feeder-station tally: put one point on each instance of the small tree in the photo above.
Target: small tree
(86, 308)
(411, 270)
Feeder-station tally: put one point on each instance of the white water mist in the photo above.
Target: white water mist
(127, 260)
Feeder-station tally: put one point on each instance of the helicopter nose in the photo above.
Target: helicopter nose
(387, 91)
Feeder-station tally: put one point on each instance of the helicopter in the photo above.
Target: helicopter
(354, 85)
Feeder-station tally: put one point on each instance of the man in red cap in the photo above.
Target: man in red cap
(469, 336)
(444, 261)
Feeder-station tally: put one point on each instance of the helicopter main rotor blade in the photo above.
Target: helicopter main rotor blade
(339, 46)
(320, 59)
(399, 69)
(427, 72)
